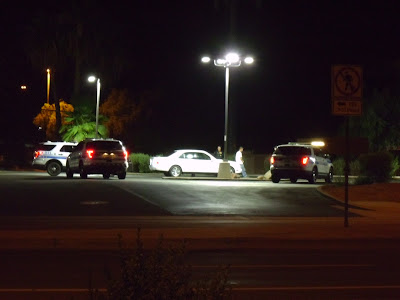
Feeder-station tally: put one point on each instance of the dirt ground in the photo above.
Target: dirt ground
(369, 192)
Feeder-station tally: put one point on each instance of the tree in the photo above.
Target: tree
(81, 124)
(46, 119)
(380, 121)
(121, 109)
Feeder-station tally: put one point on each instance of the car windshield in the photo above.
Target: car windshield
(104, 145)
(289, 150)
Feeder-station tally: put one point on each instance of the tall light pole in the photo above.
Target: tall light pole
(48, 84)
(93, 79)
(230, 60)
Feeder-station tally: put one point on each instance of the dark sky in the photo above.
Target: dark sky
(285, 95)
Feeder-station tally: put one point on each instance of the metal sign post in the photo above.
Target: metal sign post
(346, 101)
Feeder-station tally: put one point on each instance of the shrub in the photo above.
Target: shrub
(355, 167)
(338, 166)
(395, 167)
(377, 166)
(161, 274)
(140, 162)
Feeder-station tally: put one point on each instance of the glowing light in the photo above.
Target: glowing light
(304, 160)
(221, 61)
(205, 59)
(318, 143)
(249, 60)
(23, 87)
(90, 153)
(92, 79)
(232, 58)
(272, 160)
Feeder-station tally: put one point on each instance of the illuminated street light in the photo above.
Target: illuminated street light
(93, 79)
(48, 84)
(230, 60)
(23, 87)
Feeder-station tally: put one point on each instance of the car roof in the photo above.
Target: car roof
(57, 143)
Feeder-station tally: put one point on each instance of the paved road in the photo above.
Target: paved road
(38, 194)
(371, 272)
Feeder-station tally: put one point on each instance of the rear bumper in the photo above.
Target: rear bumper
(102, 168)
(291, 173)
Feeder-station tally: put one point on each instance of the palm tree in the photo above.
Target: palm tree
(82, 125)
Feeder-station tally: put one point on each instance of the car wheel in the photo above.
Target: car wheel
(54, 168)
(313, 177)
(122, 175)
(329, 178)
(106, 175)
(82, 171)
(293, 180)
(175, 171)
(69, 172)
(275, 179)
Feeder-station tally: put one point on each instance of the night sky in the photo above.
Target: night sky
(157, 46)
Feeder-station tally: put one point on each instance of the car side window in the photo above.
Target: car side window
(203, 156)
(187, 155)
(67, 148)
(319, 152)
(79, 147)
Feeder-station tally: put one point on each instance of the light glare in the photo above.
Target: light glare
(249, 60)
(221, 61)
(91, 79)
(205, 59)
(318, 143)
(232, 57)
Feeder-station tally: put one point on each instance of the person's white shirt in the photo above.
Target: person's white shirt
(238, 157)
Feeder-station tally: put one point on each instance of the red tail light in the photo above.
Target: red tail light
(90, 153)
(272, 160)
(126, 154)
(304, 160)
(38, 153)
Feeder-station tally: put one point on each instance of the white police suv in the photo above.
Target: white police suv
(52, 156)
(300, 161)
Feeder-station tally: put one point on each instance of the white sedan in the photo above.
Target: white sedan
(189, 161)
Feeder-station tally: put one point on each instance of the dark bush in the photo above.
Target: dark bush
(161, 274)
(376, 166)
(140, 162)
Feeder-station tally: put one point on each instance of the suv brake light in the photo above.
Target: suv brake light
(272, 160)
(126, 154)
(38, 153)
(304, 160)
(90, 153)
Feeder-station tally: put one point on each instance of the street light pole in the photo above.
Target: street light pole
(93, 79)
(48, 85)
(226, 112)
(97, 106)
(230, 60)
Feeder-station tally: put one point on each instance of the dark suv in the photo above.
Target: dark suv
(98, 156)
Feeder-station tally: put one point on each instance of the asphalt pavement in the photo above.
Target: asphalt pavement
(379, 220)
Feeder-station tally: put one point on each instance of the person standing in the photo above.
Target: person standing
(218, 153)
(239, 159)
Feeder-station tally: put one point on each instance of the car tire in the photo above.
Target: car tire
(106, 175)
(329, 177)
(69, 172)
(275, 179)
(313, 177)
(122, 175)
(175, 171)
(82, 171)
(293, 180)
(54, 168)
